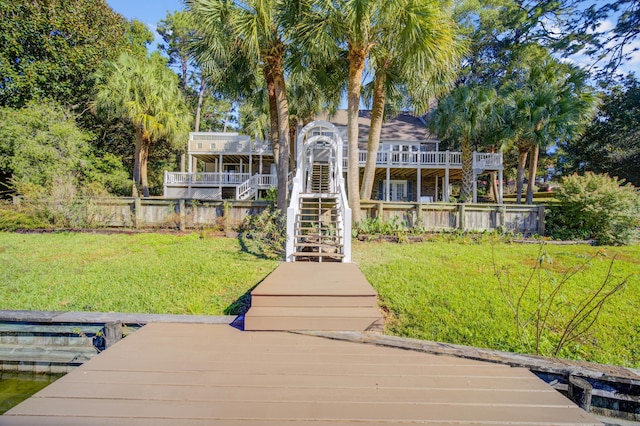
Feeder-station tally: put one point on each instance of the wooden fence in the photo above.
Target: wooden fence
(172, 213)
(527, 220)
(193, 214)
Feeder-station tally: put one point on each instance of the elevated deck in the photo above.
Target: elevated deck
(190, 374)
(314, 296)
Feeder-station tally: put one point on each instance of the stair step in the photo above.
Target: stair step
(332, 237)
(353, 301)
(317, 254)
(312, 318)
(323, 245)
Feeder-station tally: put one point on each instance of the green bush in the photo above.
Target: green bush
(265, 234)
(598, 207)
(12, 219)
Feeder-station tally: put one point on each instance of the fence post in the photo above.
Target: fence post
(541, 217)
(137, 212)
(112, 333)
(580, 392)
(380, 209)
(503, 216)
(418, 216)
(182, 213)
(461, 213)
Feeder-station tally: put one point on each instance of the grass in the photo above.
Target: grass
(438, 290)
(447, 291)
(144, 273)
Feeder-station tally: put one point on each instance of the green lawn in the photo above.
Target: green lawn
(443, 291)
(447, 291)
(145, 273)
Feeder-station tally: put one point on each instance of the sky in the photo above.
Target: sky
(149, 12)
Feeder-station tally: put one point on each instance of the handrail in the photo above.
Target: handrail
(327, 135)
(482, 160)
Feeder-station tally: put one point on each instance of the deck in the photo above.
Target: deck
(208, 374)
(314, 296)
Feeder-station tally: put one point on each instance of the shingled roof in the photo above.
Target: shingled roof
(403, 127)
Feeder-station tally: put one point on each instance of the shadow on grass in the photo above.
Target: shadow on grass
(241, 305)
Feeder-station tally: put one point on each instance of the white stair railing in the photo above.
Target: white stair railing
(317, 133)
(247, 189)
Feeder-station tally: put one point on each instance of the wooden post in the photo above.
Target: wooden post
(580, 392)
(503, 217)
(380, 210)
(461, 216)
(137, 212)
(182, 213)
(112, 333)
(541, 218)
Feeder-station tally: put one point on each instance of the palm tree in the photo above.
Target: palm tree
(416, 58)
(252, 31)
(467, 115)
(345, 29)
(549, 102)
(147, 93)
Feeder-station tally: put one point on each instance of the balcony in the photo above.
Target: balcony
(430, 160)
(226, 143)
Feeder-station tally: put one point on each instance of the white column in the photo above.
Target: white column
(446, 179)
(190, 163)
(500, 188)
(220, 172)
(475, 187)
(419, 185)
(388, 185)
(435, 195)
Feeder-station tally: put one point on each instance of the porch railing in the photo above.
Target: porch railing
(180, 178)
(489, 161)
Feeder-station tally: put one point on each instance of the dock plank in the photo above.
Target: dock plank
(217, 375)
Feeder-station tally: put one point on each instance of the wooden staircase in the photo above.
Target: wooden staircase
(317, 288)
(318, 237)
(313, 296)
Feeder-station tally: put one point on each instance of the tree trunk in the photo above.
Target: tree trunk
(274, 139)
(136, 161)
(377, 116)
(356, 67)
(494, 186)
(533, 169)
(283, 137)
(466, 190)
(522, 162)
(144, 161)
(293, 129)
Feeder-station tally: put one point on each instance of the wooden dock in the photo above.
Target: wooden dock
(314, 296)
(207, 374)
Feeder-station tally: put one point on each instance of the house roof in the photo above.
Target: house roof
(403, 127)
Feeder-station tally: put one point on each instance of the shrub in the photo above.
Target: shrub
(12, 218)
(599, 207)
(265, 234)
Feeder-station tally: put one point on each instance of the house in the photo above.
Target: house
(410, 165)
(223, 166)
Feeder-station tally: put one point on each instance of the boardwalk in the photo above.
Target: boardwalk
(203, 374)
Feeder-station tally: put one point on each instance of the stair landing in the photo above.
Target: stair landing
(314, 296)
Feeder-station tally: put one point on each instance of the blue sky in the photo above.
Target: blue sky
(150, 12)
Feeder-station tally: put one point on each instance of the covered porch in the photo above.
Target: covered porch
(223, 166)
(412, 175)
